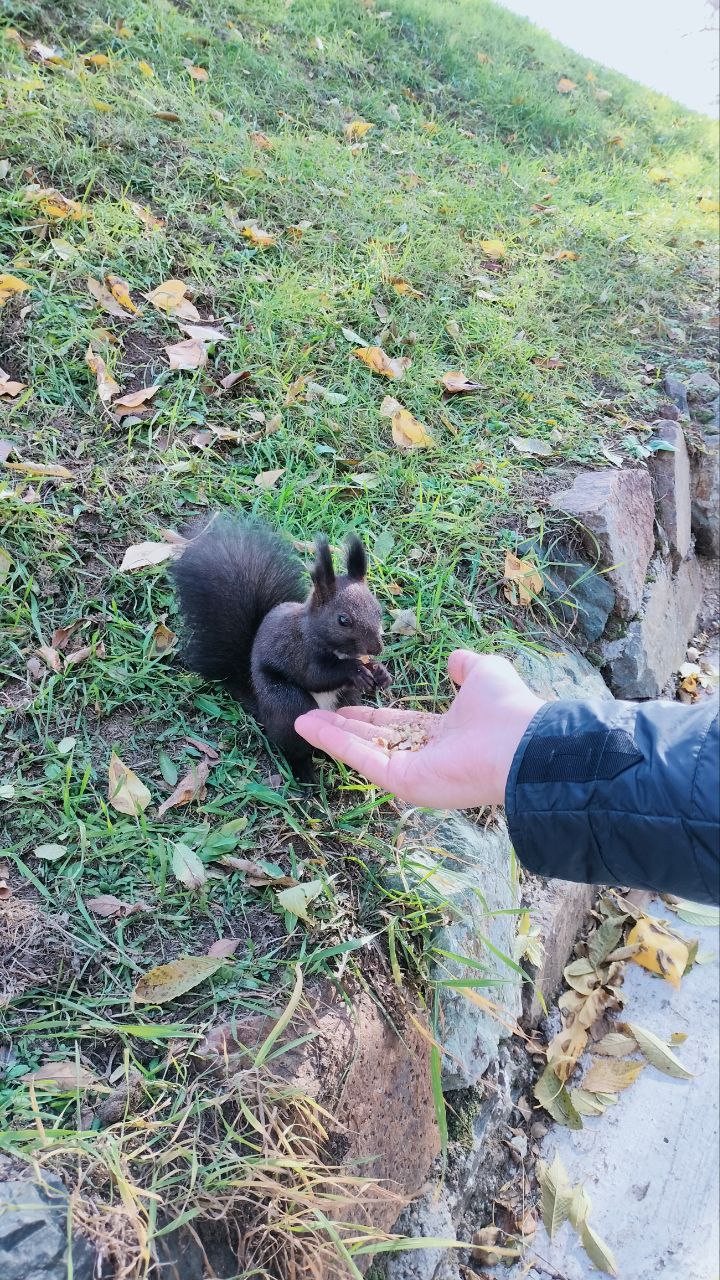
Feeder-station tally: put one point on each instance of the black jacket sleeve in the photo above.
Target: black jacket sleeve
(620, 793)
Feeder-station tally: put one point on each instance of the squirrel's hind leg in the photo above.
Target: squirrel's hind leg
(278, 707)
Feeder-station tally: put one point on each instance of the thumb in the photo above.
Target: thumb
(460, 663)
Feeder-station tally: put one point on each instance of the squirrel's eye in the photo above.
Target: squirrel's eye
(343, 620)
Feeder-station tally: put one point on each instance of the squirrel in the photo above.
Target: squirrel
(279, 649)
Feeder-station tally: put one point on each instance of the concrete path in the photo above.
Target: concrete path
(650, 1164)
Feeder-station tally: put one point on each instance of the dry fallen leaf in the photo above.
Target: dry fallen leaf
(50, 657)
(134, 400)
(564, 255)
(106, 300)
(168, 981)
(224, 947)
(556, 1194)
(146, 216)
(198, 73)
(533, 446)
(295, 390)
(204, 333)
(357, 129)
(264, 239)
(40, 469)
(376, 359)
(106, 906)
(658, 950)
(565, 1048)
(10, 285)
(163, 638)
(106, 384)
(548, 362)
(54, 204)
(143, 554)
(191, 787)
(565, 86)
(407, 432)
(121, 293)
(261, 141)
(255, 876)
(10, 388)
(268, 479)
(404, 287)
(189, 354)
(706, 204)
(611, 1075)
(77, 656)
(172, 116)
(522, 580)
(455, 381)
(659, 175)
(494, 249)
(145, 69)
(169, 297)
(63, 1076)
(126, 792)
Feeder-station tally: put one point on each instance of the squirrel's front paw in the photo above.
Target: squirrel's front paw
(363, 678)
(381, 676)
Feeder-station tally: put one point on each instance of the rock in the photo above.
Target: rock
(701, 388)
(640, 664)
(705, 485)
(558, 908)
(429, 1219)
(375, 1082)
(669, 411)
(582, 597)
(709, 417)
(670, 476)
(675, 388)
(616, 512)
(465, 870)
(33, 1233)
(179, 1256)
(560, 675)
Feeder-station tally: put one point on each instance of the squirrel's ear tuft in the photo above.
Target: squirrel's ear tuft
(356, 558)
(323, 573)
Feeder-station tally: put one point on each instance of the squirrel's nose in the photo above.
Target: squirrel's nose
(375, 645)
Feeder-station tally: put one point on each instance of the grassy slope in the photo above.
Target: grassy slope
(462, 150)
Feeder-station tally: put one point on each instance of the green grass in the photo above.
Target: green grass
(462, 151)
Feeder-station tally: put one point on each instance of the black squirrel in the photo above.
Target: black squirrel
(250, 622)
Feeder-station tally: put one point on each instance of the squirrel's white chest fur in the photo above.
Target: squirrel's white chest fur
(326, 700)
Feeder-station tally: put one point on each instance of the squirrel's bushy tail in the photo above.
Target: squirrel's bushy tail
(227, 579)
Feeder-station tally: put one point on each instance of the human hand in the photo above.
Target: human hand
(469, 750)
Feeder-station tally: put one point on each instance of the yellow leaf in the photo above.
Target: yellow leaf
(163, 638)
(100, 106)
(357, 129)
(493, 248)
(145, 215)
(166, 115)
(105, 299)
(376, 359)
(190, 354)
(257, 236)
(126, 792)
(10, 285)
(169, 297)
(143, 554)
(145, 69)
(404, 287)
(168, 981)
(455, 381)
(120, 292)
(658, 950)
(611, 1075)
(198, 73)
(106, 384)
(707, 205)
(96, 59)
(564, 255)
(522, 580)
(659, 175)
(55, 205)
(407, 432)
(40, 469)
(565, 86)
(191, 787)
(122, 31)
(134, 400)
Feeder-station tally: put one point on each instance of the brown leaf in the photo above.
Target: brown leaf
(261, 141)
(77, 656)
(171, 116)
(404, 287)
(191, 787)
(198, 73)
(456, 381)
(105, 299)
(203, 332)
(40, 469)
(548, 362)
(268, 479)
(168, 981)
(255, 876)
(144, 554)
(106, 384)
(106, 906)
(206, 749)
(564, 255)
(295, 391)
(61, 1076)
(522, 580)
(169, 297)
(5, 886)
(146, 216)
(231, 379)
(126, 792)
(566, 86)
(224, 947)
(11, 389)
(611, 1075)
(163, 638)
(50, 657)
(565, 1048)
(376, 359)
(190, 354)
(134, 400)
(407, 432)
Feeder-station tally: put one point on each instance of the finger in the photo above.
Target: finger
(379, 715)
(360, 728)
(367, 759)
(461, 663)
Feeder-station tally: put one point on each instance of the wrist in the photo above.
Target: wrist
(517, 720)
